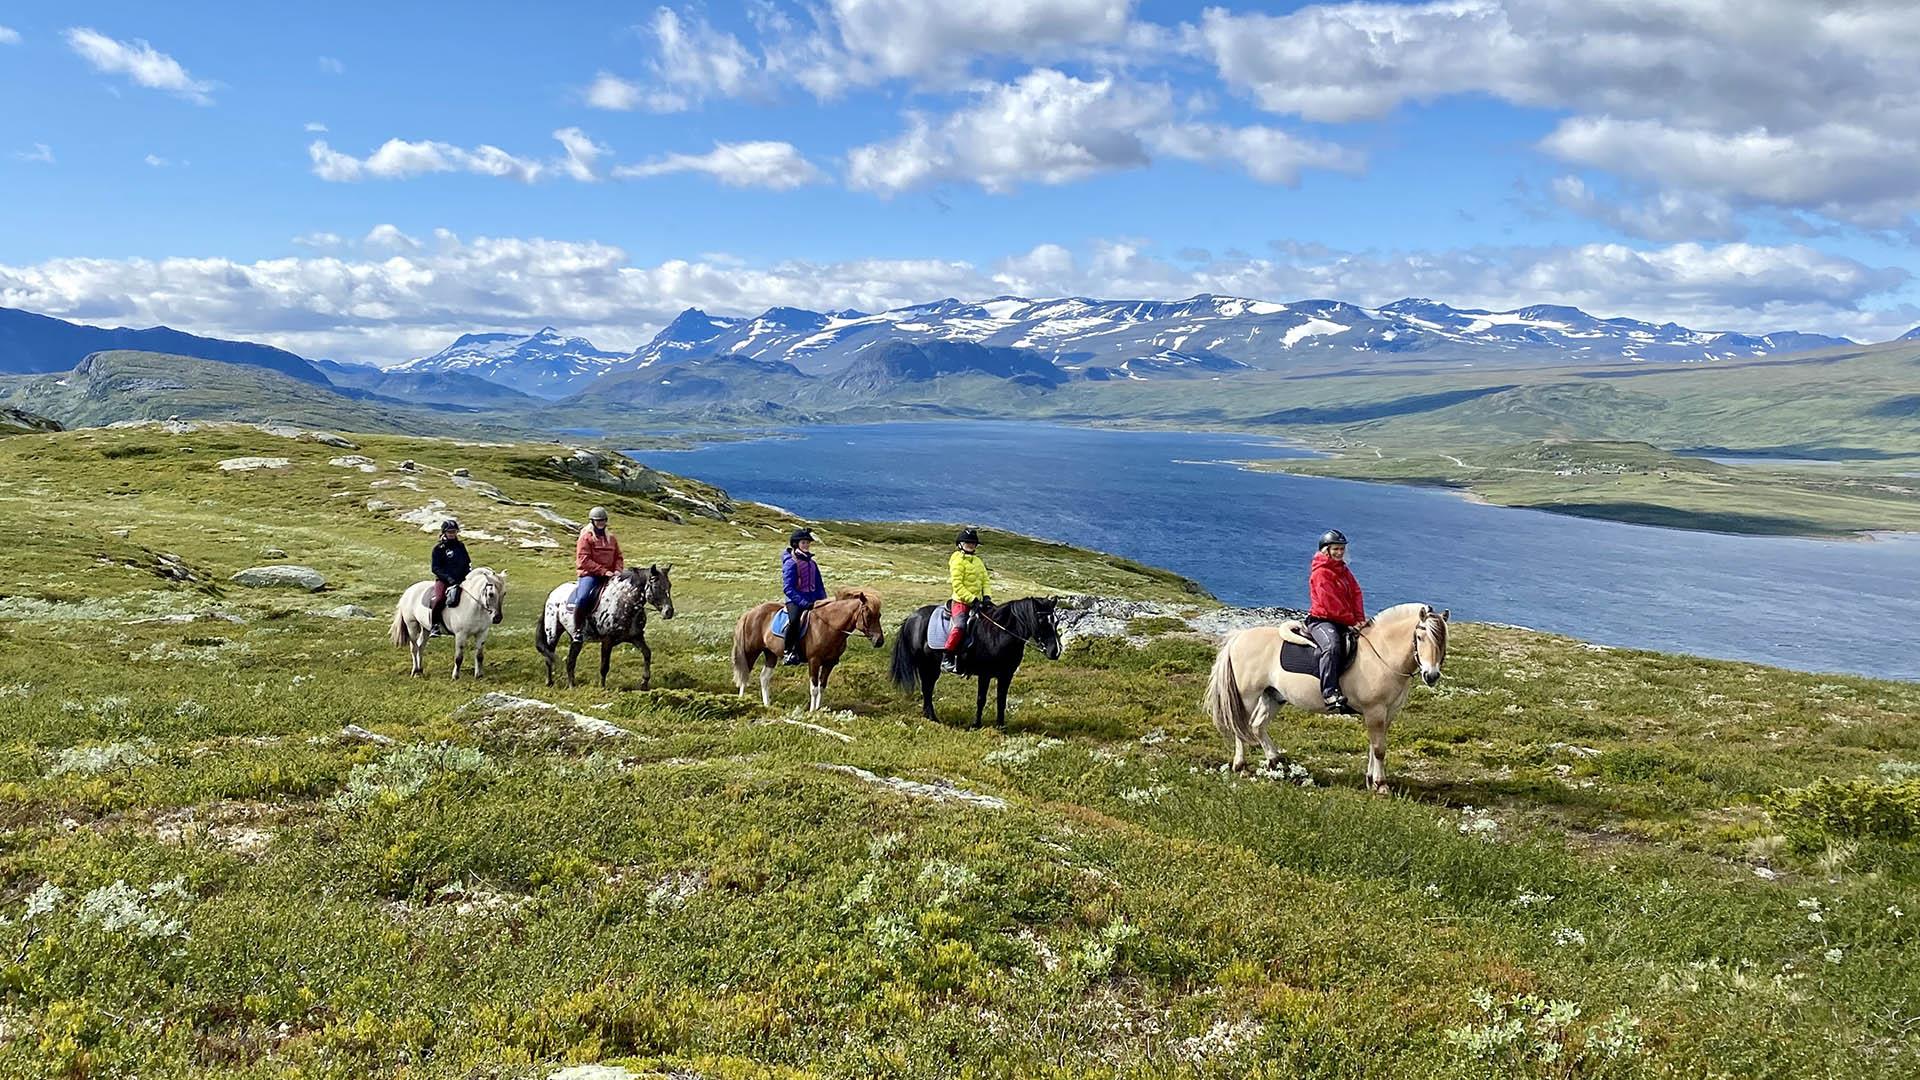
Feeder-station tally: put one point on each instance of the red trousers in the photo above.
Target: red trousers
(958, 608)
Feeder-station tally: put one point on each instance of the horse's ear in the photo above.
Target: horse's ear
(1445, 614)
(654, 569)
(665, 567)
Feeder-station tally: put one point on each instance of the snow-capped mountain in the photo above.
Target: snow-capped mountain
(1911, 335)
(544, 364)
(1202, 337)
(1212, 336)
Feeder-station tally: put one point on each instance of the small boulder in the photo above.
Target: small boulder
(360, 734)
(281, 577)
(354, 461)
(529, 721)
(272, 553)
(462, 472)
(249, 464)
(347, 611)
(409, 466)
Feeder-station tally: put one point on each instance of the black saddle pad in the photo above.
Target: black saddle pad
(1303, 660)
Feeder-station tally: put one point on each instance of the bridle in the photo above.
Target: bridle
(989, 620)
(1420, 629)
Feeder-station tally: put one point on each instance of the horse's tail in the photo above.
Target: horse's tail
(398, 635)
(743, 649)
(906, 673)
(543, 644)
(1222, 700)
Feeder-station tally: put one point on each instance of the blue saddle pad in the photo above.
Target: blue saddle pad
(939, 625)
(779, 627)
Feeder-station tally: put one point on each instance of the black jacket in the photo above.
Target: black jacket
(450, 562)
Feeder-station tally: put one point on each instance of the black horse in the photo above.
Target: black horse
(1000, 638)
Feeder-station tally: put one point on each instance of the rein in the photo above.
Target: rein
(989, 620)
(1407, 674)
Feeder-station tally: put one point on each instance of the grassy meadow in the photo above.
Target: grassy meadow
(236, 840)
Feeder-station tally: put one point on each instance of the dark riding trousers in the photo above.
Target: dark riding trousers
(1330, 644)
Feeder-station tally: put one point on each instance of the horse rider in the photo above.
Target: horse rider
(1335, 608)
(450, 567)
(597, 558)
(967, 572)
(801, 580)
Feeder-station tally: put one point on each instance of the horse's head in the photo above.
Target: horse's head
(1430, 643)
(492, 591)
(1046, 625)
(658, 590)
(866, 619)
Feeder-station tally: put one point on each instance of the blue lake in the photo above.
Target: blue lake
(1175, 499)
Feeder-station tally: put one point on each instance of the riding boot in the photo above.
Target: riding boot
(579, 622)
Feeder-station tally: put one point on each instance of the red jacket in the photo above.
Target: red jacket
(1334, 593)
(598, 554)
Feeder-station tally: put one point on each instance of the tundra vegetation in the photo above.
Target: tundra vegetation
(237, 840)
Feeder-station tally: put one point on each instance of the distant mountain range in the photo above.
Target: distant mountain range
(1053, 341)
(790, 358)
(33, 344)
(544, 363)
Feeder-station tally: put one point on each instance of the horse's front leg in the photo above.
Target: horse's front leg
(766, 682)
(606, 659)
(1001, 703)
(417, 645)
(479, 657)
(646, 663)
(573, 653)
(928, 675)
(816, 686)
(980, 703)
(1377, 754)
(459, 653)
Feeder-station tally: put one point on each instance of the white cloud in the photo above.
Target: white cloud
(1052, 128)
(390, 236)
(319, 240)
(399, 159)
(777, 166)
(581, 152)
(9, 36)
(332, 66)
(316, 126)
(157, 161)
(1781, 103)
(1267, 154)
(140, 62)
(401, 298)
(41, 154)
(1666, 215)
(611, 92)
(919, 40)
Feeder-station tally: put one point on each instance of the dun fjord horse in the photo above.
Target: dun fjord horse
(829, 624)
(1248, 684)
(1000, 640)
(483, 597)
(619, 615)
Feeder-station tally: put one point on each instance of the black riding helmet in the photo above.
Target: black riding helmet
(1332, 537)
(799, 535)
(968, 535)
(450, 525)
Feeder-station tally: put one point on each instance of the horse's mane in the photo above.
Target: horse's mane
(864, 596)
(1398, 612)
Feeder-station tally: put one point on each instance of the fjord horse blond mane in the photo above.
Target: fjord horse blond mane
(1248, 685)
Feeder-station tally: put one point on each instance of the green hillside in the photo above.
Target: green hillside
(1597, 863)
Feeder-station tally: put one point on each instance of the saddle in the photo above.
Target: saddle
(778, 628)
(940, 624)
(1297, 651)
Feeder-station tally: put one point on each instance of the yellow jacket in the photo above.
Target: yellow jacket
(969, 575)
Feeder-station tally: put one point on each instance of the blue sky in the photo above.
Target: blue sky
(317, 175)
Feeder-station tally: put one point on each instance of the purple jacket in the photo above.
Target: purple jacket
(801, 578)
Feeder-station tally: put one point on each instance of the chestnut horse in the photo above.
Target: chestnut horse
(829, 625)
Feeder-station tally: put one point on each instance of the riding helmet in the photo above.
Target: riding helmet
(968, 535)
(799, 535)
(450, 525)
(598, 513)
(1332, 537)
